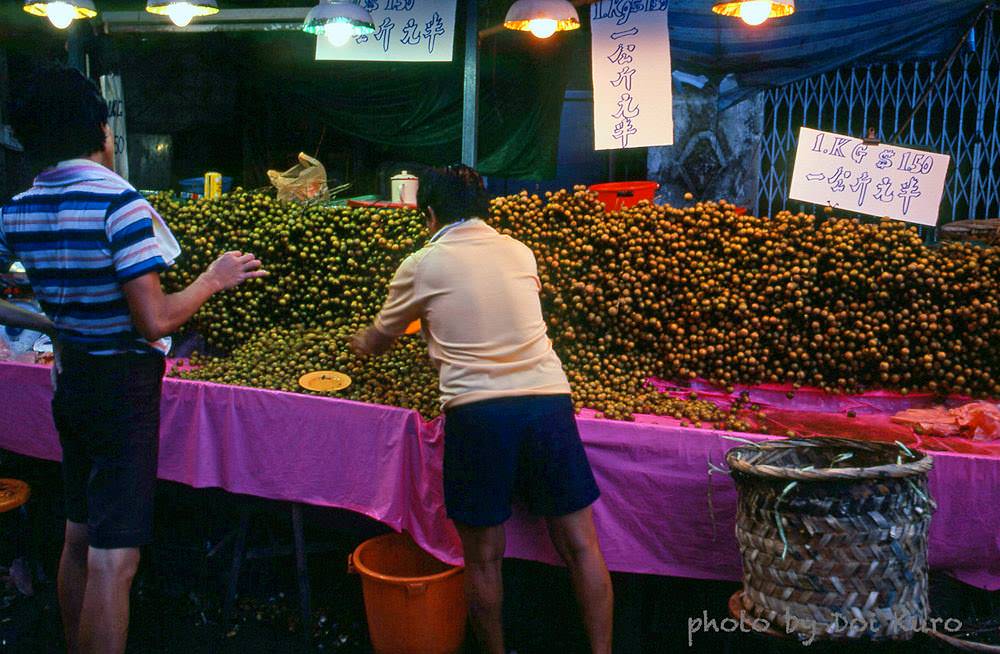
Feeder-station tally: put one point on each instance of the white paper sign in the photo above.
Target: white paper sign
(111, 89)
(630, 52)
(405, 30)
(878, 180)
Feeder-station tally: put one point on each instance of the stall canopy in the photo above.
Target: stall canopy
(822, 35)
(416, 109)
(520, 108)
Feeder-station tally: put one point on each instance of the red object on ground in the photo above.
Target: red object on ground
(414, 603)
(617, 195)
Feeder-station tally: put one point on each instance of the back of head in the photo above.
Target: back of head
(455, 193)
(59, 114)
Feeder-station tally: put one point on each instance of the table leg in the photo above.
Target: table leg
(239, 553)
(302, 570)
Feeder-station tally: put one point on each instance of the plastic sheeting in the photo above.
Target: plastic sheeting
(660, 511)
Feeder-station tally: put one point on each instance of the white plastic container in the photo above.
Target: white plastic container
(404, 188)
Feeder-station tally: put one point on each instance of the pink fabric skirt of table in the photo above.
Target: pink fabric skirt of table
(660, 510)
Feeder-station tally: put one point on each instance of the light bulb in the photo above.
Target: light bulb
(61, 14)
(181, 13)
(543, 28)
(338, 34)
(755, 12)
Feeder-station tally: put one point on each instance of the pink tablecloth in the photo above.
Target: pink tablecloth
(654, 516)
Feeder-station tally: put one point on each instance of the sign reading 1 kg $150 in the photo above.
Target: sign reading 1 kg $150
(875, 179)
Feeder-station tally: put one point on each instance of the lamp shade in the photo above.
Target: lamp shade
(542, 17)
(181, 12)
(61, 12)
(337, 12)
(755, 12)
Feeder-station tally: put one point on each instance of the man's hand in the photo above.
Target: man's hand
(232, 269)
(156, 315)
(357, 345)
(370, 341)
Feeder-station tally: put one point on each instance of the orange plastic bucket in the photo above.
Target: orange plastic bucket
(415, 604)
(617, 195)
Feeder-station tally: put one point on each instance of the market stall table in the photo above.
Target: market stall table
(660, 512)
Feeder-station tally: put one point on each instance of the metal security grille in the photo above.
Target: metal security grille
(960, 118)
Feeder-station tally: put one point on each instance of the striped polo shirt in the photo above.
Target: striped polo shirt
(81, 232)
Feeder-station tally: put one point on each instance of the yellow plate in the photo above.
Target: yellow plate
(324, 380)
(413, 328)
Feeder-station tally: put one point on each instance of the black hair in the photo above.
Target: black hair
(59, 114)
(455, 193)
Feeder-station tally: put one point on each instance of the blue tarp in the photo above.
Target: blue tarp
(822, 35)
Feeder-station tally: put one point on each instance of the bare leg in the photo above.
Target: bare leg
(576, 541)
(484, 547)
(73, 582)
(104, 620)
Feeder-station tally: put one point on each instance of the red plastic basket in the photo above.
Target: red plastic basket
(617, 195)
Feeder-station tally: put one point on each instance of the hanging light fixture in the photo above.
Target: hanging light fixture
(61, 13)
(543, 18)
(182, 12)
(755, 12)
(338, 21)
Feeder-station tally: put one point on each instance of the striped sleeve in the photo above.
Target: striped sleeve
(129, 226)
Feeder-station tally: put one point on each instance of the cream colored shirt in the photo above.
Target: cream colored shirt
(476, 293)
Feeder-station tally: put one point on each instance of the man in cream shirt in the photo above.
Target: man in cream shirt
(510, 429)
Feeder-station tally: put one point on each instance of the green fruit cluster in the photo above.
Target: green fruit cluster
(677, 293)
(705, 292)
(276, 358)
(330, 267)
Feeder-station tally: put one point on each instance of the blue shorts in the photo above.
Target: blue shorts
(523, 448)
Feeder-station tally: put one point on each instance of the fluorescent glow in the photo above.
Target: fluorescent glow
(338, 34)
(755, 12)
(181, 13)
(543, 28)
(60, 14)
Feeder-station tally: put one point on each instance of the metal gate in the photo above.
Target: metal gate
(960, 118)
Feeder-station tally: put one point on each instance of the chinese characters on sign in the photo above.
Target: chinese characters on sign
(633, 104)
(405, 30)
(878, 180)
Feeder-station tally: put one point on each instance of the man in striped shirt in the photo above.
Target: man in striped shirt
(93, 249)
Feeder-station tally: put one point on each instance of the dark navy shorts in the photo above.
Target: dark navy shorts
(510, 449)
(107, 411)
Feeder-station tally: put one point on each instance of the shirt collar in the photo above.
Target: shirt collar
(74, 171)
(454, 227)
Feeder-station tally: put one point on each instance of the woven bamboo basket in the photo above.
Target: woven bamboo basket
(833, 535)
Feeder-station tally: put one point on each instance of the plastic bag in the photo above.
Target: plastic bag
(977, 420)
(305, 182)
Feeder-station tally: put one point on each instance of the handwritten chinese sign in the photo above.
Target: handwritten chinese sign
(630, 51)
(111, 89)
(878, 180)
(405, 30)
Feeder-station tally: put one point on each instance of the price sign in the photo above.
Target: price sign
(630, 56)
(879, 180)
(405, 30)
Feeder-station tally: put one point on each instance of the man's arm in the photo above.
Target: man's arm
(157, 314)
(14, 316)
(402, 307)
